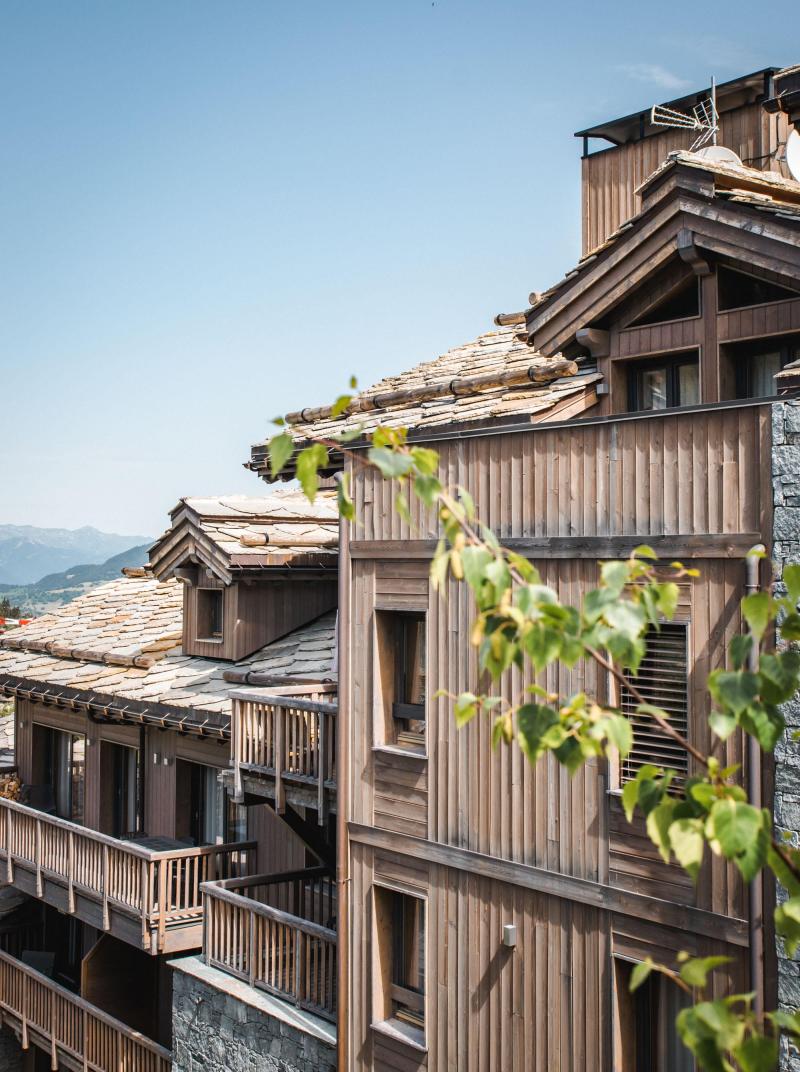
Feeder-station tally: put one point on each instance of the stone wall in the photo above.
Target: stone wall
(786, 549)
(220, 1024)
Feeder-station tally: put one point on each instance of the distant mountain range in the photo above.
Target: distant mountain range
(28, 553)
(56, 588)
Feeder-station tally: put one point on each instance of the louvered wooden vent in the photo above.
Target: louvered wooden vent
(663, 681)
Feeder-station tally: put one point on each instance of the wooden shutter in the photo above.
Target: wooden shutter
(663, 680)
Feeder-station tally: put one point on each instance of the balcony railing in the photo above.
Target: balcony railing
(278, 933)
(289, 738)
(114, 885)
(71, 1030)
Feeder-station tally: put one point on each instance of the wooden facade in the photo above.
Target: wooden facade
(486, 839)
(611, 177)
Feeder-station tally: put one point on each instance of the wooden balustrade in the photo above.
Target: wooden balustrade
(158, 889)
(277, 932)
(287, 737)
(69, 1028)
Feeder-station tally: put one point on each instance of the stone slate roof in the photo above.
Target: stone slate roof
(123, 640)
(494, 376)
(239, 532)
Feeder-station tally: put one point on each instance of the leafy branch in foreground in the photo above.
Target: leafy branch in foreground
(521, 622)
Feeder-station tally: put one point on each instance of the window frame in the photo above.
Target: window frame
(671, 364)
(742, 356)
(393, 714)
(202, 592)
(387, 993)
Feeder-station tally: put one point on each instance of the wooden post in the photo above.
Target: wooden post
(24, 1011)
(38, 852)
(9, 831)
(70, 874)
(322, 720)
(280, 796)
(162, 903)
(53, 1044)
(85, 1019)
(106, 920)
(251, 960)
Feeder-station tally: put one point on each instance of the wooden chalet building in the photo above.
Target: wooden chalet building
(192, 772)
(490, 912)
(123, 827)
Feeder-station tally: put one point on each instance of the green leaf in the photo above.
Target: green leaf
(467, 502)
(791, 578)
(620, 732)
(695, 971)
(533, 722)
(626, 617)
(756, 609)
(757, 1054)
(631, 790)
(309, 461)
(615, 575)
(740, 648)
(734, 689)
(345, 503)
(668, 594)
(688, 843)
(475, 560)
(790, 627)
(391, 463)
(641, 972)
(787, 923)
(280, 449)
(440, 566)
(465, 709)
(736, 831)
(723, 725)
(340, 405)
(427, 488)
(644, 551)
(659, 822)
(499, 575)
(780, 676)
(425, 460)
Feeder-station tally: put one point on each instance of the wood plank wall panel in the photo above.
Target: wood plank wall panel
(657, 475)
(658, 338)
(773, 318)
(542, 1006)
(610, 177)
(160, 784)
(23, 739)
(279, 848)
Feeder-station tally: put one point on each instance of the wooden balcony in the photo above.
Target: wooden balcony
(284, 746)
(144, 897)
(77, 1035)
(278, 933)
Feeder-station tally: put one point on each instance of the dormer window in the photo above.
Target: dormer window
(663, 383)
(210, 614)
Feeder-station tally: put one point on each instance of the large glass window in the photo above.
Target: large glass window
(647, 1039)
(400, 968)
(65, 763)
(756, 365)
(662, 383)
(124, 790)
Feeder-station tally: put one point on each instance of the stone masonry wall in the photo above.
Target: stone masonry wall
(214, 1030)
(786, 549)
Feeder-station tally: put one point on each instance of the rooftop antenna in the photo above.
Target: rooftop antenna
(703, 118)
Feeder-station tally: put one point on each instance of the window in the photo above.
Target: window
(401, 672)
(65, 764)
(738, 290)
(663, 681)
(205, 814)
(400, 942)
(645, 1036)
(209, 613)
(124, 789)
(756, 365)
(663, 383)
(684, 301)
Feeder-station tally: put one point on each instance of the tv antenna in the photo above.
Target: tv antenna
(703, 118)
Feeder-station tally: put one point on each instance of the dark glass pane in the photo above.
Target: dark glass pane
(737, 290)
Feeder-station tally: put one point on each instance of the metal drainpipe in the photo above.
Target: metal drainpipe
(342, 784)
(754, 764)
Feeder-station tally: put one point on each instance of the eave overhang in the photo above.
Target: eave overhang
(118, 709)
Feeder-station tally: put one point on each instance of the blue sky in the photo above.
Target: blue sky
(212, 213)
